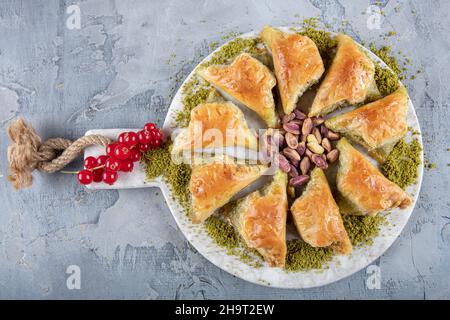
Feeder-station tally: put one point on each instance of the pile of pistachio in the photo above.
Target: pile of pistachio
(303, 143)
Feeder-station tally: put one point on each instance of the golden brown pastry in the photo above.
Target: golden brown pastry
(260, 219)
(349, 80)
(248, 81)
(214, 125)
(297, 64)
(317, 218)
(213, 184)
(379, 124)
(364, 189)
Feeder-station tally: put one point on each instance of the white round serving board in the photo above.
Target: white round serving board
(340, 267)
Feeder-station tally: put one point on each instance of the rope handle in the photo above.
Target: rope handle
(27, 152)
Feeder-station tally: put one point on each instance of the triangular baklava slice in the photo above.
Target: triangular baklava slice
(297, 63)
(260, 219)
(377, 126)
(364, 190)
(349, 80)
(249, 82)
(317, 218)
(214, 183)
(214, 125)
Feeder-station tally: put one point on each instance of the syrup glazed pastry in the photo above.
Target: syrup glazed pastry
(307, 143)
(249, 82)
(377, 126)
(260, 219)
(213, 184)
(297, 64)
(317, 218)
(364, 190)
(214, 125)
(349, 80)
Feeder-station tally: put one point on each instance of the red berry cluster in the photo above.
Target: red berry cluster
(120, 155)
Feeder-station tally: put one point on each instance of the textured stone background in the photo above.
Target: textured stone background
(119, 69)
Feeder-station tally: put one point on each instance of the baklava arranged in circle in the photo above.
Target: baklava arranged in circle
(309, 141)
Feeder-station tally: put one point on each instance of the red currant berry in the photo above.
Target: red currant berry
(98, 175)
(90, 163)
(121, 152)
(145, 136)
(135, 155)
(101, 160)
(150, 126)
(110, 149)
(112, 164)
(144, 147)
(157, 135)
(126, 165)
(128, 138)
(109, 177)
(152, 144)
(157, 143)
(85, 176)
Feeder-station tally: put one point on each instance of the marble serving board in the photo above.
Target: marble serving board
(340, 267)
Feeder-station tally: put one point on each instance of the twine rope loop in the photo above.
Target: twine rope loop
(27, 152)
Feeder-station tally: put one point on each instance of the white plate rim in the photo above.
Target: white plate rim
(272, 277)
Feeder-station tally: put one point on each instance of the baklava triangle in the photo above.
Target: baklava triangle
(363, 189)
(297, 63)
(260, 219)
(317, 218)
(249, 82)
(348, 81)
(213, 184)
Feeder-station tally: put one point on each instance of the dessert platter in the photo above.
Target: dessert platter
(286, 143)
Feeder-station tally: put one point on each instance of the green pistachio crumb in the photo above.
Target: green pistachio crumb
(302, 256)
(362, 229)
(158, 163)
(225, 236)
(323, 39)
(386, 80)
(402, 164)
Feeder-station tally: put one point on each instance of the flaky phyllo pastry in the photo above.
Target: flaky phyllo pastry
(377, 126)
(297, 64)
(214, 125)
(317, 218)
(349, 80)
(364, 190)
(260, 219)
(249, 82)
(214, 183)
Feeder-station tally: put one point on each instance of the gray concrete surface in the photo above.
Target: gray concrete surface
(119, 69)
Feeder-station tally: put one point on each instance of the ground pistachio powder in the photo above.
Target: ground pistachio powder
(232, 49)
(323, 39)
(362, 229)
(222, 233)
(384, 53)
(402, 164)
(386, 80)
(195, 92)
(302, 256)
(158, 163)
(225, 236)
